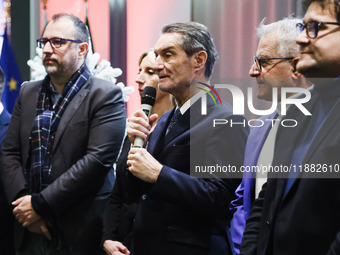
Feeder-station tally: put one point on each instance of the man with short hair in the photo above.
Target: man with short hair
(63, 138)
(298, 212)
(179, 214)
(274, 67)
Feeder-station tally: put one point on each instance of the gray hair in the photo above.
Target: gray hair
(285, 32)
(196, 37)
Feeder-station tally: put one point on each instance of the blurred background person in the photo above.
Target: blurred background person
(122, 205)
(6, 217)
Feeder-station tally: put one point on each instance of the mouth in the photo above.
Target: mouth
(162, 77)
(49, 61)
(140, 92)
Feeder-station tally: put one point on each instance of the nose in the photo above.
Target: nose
(47, 47)
(302, 38)
(254, 71)
(139, 79)
(159, 64)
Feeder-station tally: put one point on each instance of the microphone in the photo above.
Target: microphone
(148, 100)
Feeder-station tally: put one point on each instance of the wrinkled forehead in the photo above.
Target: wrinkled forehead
(168, 41)
(268, 46)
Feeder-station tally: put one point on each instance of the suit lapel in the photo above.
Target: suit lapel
(286, 142)
(181, 125)
(324, 131)
(69, 113)
(157, 135)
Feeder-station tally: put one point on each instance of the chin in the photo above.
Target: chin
(50, 70)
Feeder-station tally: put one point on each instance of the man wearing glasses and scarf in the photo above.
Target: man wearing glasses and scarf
(63, 138)
(298, 212)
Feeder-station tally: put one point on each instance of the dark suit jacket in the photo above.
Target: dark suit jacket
(180, 214)
(86, 144)
(305, 220)
(6, 216)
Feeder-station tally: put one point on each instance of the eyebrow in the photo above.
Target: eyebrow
(165, 49)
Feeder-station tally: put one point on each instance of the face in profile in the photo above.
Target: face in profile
(147, 75)
(273, 73)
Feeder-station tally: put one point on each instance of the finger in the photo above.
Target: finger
(140, 113)
(18, 201)
(153, 118)
(45, 231)
(16, 211)
(134, 128)
(133, 151)
(122, 248)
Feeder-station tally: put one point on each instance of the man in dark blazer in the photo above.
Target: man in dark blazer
(63, 138)
(6, 216)
(298, 212)
(273, 73)
(179, 212)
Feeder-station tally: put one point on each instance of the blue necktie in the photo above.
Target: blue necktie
(174, 119)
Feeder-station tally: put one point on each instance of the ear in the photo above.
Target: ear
(295, 73)
(83, 48)
(200, 58)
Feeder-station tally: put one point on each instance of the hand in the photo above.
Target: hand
(115, 248)
(40, 227)
(24, 211)
(143, 165)
(139, 125)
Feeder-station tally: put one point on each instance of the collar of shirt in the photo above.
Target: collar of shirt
(55, 95)
(1, 108)
(191, 101)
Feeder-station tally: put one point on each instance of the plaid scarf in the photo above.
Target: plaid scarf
(38, 172)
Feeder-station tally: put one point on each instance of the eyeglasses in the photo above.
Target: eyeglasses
(312, 28)
(258, 61)
(55, 42)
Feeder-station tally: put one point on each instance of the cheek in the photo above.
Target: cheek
(154, 81)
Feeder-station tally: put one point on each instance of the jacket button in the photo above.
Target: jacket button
(144, 196)
(267, 222)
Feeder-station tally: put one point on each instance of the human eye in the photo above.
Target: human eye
(150, 71)
(168, 54)
(57, 42)
(264, 62)
(43, 41)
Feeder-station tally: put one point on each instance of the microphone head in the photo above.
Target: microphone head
(149, 95)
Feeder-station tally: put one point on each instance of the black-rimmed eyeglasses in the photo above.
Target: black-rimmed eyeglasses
(258, 61)
(55, 42)
(312, 28)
